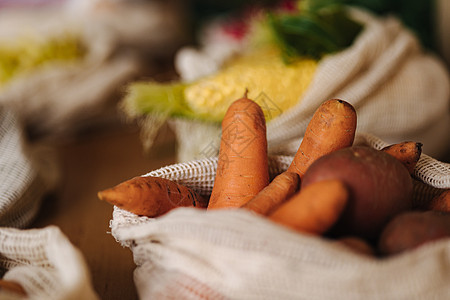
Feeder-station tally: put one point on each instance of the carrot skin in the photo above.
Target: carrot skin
(331, 128)
(408, 153)
(281, 188)
(151, 196)
(315, 208)
(242, 168)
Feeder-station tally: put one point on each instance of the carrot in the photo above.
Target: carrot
(315, 208)
(151, 196)
(332, 127)
(278, 191)
(242, 168)
(440, 202)
(408, 153)
(12, 286)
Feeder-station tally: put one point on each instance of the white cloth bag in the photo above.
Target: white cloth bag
(45, 264)
(28, 172)
(399, 90)
(233, 254)
(58, 99)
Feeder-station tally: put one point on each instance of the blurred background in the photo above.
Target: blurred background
(101, 88)
(64, 65)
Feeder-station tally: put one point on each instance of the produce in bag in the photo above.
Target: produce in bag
(384, 54)
(241, 244)
(151, 196)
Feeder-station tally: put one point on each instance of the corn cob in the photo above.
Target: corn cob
(272, 83)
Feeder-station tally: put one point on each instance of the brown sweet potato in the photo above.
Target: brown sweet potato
(412, 229)
(380, 187)
(440, 202)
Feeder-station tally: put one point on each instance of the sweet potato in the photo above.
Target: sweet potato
(412, 229)
(440, 202)
(314, 209)
(332, 127)
(242, 169)
(380, 187)
(281, 188)
(151, 196)
(408, 153)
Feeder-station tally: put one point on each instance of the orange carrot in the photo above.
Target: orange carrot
(278, 191)
(440, 202)
(332, 127)
(151, 196)
(408, 153)
(242, 169)
(12, 286)
(315, 208)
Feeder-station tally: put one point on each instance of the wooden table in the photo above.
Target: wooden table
(90, 163)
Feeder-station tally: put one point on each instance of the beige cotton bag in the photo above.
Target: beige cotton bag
(400, 91)
(45, 264)
(233, 254)
(42, 261)
(28, 172)
(57, 99)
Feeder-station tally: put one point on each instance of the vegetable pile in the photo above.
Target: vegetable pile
(355, 195)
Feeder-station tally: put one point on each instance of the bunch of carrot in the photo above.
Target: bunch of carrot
(242, 177)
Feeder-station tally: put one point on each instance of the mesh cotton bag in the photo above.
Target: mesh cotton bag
(42, 261)
(27, 173)
(233, 254)
(45, 264)
(59, 97)
(400, 92)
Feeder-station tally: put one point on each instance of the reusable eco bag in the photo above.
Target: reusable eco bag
(400, 91)
(45, 264)
(192, 253)
(28, 172)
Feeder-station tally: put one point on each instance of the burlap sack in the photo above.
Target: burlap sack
(400, 91)
(45, 264)
(28, 172)
(233, 254)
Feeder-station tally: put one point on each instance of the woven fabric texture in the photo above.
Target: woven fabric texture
(27, 174)
(194, 254)
(45, 264)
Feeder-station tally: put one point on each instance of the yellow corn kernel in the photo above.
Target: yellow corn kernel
(272, 83)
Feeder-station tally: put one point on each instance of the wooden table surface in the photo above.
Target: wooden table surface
(89, 164)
